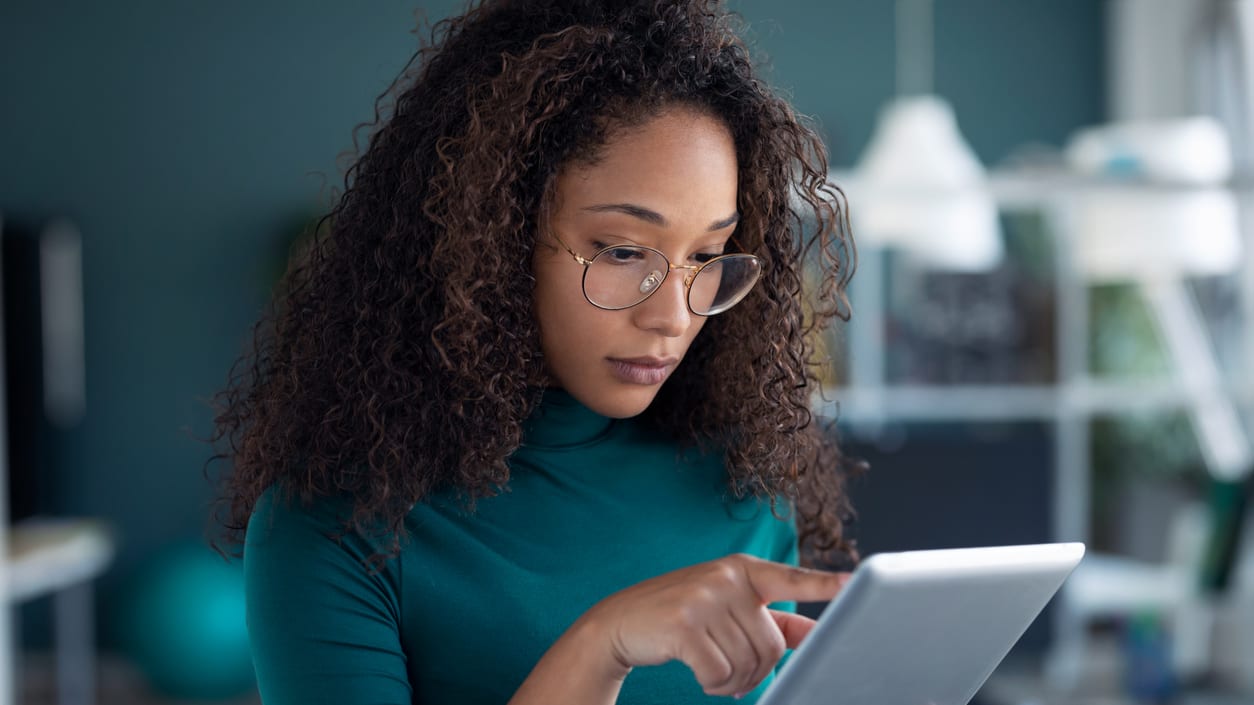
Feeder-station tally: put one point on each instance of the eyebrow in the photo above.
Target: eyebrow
(653, 217)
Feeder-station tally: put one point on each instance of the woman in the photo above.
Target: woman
(530, 424)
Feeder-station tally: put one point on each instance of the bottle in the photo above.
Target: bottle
(1148, 676)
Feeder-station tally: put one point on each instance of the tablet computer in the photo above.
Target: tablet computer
(922, 627)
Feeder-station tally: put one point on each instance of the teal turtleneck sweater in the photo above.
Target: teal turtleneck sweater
(473, 600)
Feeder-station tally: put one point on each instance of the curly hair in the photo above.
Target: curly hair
(402, 356)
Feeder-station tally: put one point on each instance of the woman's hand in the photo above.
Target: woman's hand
(713, 617)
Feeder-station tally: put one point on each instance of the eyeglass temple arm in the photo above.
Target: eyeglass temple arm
(578, 258)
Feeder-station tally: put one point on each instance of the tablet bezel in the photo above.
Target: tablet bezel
(932, 595)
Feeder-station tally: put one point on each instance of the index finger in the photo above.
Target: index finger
(777, 582)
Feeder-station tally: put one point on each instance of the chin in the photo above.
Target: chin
(622, 401)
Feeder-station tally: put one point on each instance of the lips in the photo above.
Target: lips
(648, 361)
(647, 370)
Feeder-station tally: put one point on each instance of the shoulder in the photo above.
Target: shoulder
(286, 521)
(324, 624)
(289, 541)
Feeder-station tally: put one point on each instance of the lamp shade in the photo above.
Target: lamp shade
(920, 187)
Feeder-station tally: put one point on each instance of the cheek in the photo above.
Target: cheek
(548, 310)
(571, 327)
(568, 323)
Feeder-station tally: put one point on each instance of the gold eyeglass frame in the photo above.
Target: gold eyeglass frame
(693, 271)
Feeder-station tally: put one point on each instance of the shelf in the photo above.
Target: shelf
(1014, 189)
(918, 402)
(938, 403)
(46, 555)
(1107, 585)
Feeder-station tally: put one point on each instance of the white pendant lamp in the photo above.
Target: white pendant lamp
(919, 186)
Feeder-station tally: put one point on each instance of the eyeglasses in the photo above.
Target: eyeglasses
(621, 276)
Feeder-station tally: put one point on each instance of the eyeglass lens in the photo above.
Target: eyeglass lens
(624, 276)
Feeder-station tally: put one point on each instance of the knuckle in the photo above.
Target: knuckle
(689, 618)
(703, 596)
(684, 617)
(726, 571)
(717, 675)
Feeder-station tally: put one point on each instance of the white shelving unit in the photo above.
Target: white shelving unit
(869, 401)
(61, 558)
(55, 557)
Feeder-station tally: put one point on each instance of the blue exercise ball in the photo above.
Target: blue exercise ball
(182, 623)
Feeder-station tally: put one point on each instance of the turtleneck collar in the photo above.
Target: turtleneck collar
(560, 421)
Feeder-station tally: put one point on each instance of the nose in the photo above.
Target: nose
(666, 311)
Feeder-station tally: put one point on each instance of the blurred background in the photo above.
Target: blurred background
(1052, 334)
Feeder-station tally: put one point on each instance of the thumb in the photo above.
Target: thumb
(794, 627)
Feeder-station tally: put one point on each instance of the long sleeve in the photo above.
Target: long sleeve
(323, 628)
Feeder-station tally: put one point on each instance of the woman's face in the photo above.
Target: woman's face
(669, 184)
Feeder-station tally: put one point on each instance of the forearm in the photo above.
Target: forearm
(579, 669)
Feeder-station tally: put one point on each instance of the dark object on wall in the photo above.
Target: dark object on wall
(43, 355)
(991, 327)
(956, 485)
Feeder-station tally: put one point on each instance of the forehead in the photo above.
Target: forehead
(679, 162)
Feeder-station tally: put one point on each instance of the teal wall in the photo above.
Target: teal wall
(184, 138)
(1016, 71)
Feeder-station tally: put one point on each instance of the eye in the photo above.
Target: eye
(703, 257)
(618, 255)
(624, 255)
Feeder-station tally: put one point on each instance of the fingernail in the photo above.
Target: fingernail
(738, 696)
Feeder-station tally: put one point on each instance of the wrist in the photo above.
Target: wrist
(580, 667)
(591, 637)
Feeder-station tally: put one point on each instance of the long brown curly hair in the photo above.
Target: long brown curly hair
(401, 356)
